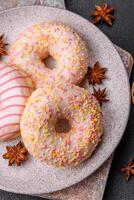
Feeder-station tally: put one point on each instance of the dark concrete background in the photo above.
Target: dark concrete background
(122, 33)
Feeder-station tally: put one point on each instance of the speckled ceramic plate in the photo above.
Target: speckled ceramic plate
(34, 177)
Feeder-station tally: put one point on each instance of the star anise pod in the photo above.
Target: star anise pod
(100, 95)
(2, 46)
(16, 154)
(96, 74)
(102, 13)
(128, 169)
(133, 92)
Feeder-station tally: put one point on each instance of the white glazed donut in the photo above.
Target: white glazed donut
(58, 97)
(15, 87)
(45, 108)
(60, 42)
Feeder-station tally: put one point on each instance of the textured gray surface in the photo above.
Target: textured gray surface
(6, 4)
(83, 8)
(114, 121)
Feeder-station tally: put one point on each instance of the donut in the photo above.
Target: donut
(42, 121)
(15, 87)
(62, 43)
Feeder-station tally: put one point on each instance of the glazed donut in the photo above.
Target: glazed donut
(48, 106)
(60, 42)
(15, 87)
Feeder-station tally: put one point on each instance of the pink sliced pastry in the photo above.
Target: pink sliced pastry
(15, 87)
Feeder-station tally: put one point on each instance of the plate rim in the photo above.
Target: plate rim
(128, 90)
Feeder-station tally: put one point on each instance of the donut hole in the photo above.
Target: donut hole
(49, 62)
(62, 125)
